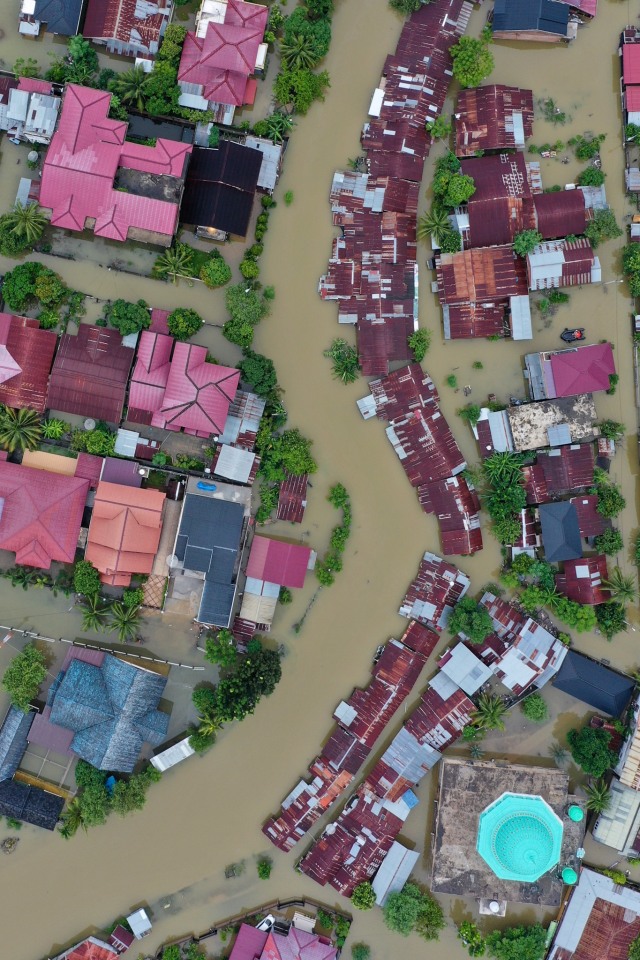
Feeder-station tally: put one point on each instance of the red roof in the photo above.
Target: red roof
(435, 591)
(588, 7)
(473, 276)
(197, 393)
(558, 471)
(420, 638)
(560, 214)
(583, 369)
(90, 949)
(33, 85)
(297, 945)
(40, 514)
(249, 943)
(90, 374)
(278, 562)
(590, 522)
(124, 532)
(126, 20)
(631, 63)
(292, 499)
(26, 356)
(632, 98)
(501, 205)
(81, 165)
(582, 580)
(484, 118)
(426, 446)
(402, 392)
(456, 505)
(150, 375)
(221, 62)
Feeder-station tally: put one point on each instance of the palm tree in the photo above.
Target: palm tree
(63, 582)
(297, 53)
(175, 262)
(22, 577)
(434, 224)
(27, 220)
(209, 725)
(94, 613)
(489, 712)
(19, 429)
(278, 125)
(54, 429)
(475, 751)
(131, 88)
(622, 588)
(72, 819)
(558, 753)
(125, 620)
(503, 466)
(598, 796)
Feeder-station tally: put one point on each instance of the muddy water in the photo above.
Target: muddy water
(207, 813)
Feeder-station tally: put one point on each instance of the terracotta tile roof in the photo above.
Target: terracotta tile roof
(197, 395)
(41, 513)
(484, 118)
(582, 580)
(26, 356)
(81, 165)
(124, 532)
(278, 562)
(90, 374)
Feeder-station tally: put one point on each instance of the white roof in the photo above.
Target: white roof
(377, 100)
(345, 713)
(520, 318)
(126, 442)
(591, 887)
(443, 685)
(465, 669)
(234, 463)
(271, 158)
(139, 923)
(172, 755)
(18, 104)
(619, 824)
(394, 871)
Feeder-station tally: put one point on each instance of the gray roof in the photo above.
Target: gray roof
(30, 804)
(112, 711)
(60, 16)
(594, 683)
(560, 531)
(13, 740)
(546, 15)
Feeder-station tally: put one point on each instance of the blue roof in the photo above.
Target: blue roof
(544, 15)
(13, 740)
(520, 837)
(112, 710)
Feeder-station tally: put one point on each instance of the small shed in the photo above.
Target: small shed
(139, 923)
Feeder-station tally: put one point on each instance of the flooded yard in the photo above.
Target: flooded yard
(207, 812)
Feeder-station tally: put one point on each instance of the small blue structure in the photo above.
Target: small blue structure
(520, 837)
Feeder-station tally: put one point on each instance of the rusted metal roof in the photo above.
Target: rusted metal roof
(501, 205)
(426, 446)
(494, 117)
(590, 522)
(582, 580)
(456, 506)
(292, 499)
(466, 321)
(401, 392)
(473, 276)
(559, 471)
(435, 591)
(560, 214)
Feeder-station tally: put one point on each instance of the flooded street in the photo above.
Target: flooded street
(207, 812)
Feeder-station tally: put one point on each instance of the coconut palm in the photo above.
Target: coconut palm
(22, 577)
(94, 613)
(502, 467)
(131, 86)
(72, 819)
(27, 220)
(598, 796)
(623, 589)
(298, 53)
(174, 263)
(278, 125)
(475, 751)
(125, 621)
(558, 753)
(434, 224)
(489, 712)
(19, 429)
(54, 429)
(209, 725)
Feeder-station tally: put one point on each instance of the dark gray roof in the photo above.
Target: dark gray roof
(208, 541)
(112, 711)
(13, 740)
(593, 683)
(30, 804)
(220, 187)
(60, 16)
(560, 531)
(546, 15)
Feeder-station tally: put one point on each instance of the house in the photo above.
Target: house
(109, 710)
(272, 564)
(619, 825)
(272, 159)
(567, 373)
(477, 798)
(434, 593)
(562, 263)
(559, 471)
(207, 552)
(394, 872)
(400, 393)
(601, 918)
(20, 800)
(220, 189)
(232, 463)
(552, 422)
(292, 498)
(501, 205)
(40, 515)
(26, 356)
(219, 60)
(173, 387)
(590, 522)
(426, 447)
(31, 111)
(604, 689)
(492, 432)
(124, 532)
(542, 21)
(464, 668)
(58, 16)
(628, 767)
(90, 374)
(93, 178)
(255, 944)
(582, 580)
(90, 948)
(562, 213)
(629, 52)
(495, 117)
(127, 27)
(456, 505)
(561, 538)
(243, 420)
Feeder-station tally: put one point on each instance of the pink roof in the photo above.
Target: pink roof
(631, 63)
(40, 514)
(583, 370)
(222, 61)
(632, 98)
(278, 562)
(249, 943)
(81, 165)
(298, 945)
(32, 85)
(197, 394)
(150, 375)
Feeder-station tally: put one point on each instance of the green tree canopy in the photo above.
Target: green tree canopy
(316, 32)
(19, 287)
(293, 451)
(413, 909)
(517, 943)
(128, 317)
(472, 619)
(220, 648)
(184, 322)
(405, 6)
(259, 372)
(525, 241)
(86, 579)
(472, 61)
(590, 750)
(363, 897)
(216, 271)
(611, 618)
(24, 675)
(19, 429)
(300, 88)
(535, 708)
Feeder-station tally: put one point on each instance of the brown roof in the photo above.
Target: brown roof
(484, 118)
(590, 522)
(26, 355)
(456, 505)
(582, 580)
(560, 214)
(559, 471)
(90, 374)
(476, 275)
(501, 206)
(292, 499)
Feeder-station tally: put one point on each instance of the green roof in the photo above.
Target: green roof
(520, 837)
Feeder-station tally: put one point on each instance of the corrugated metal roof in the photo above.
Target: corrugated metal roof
(436, 589)
(292, 498)
(582, 580)
(493, 117)
(26, 357)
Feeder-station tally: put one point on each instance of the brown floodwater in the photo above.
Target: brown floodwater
(207, 812)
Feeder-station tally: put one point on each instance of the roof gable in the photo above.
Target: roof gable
(560, 531)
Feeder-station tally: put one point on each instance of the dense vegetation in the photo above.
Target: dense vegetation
(24, 675)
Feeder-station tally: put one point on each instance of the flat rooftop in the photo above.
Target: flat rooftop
(553, 422)
(466, 788)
